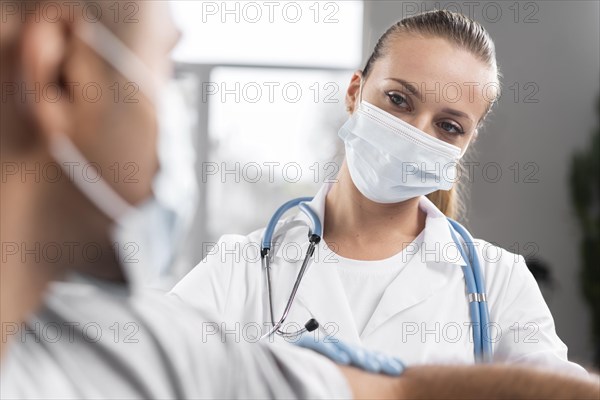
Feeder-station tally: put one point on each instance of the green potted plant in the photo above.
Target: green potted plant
(585, 195)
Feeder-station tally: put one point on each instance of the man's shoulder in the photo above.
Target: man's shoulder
(139, 343)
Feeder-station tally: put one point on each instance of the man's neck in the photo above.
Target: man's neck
(48, 229)
(22, 289)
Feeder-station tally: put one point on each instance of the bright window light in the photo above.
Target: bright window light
(298, 33)
(273, 136)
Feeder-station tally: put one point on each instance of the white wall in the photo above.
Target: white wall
(557, 56)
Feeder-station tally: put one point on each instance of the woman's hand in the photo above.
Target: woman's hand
(356, 356)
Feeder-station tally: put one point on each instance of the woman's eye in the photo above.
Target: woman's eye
(451, 128)
(397, 99)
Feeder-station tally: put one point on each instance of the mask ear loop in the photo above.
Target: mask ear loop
(360, 89)
(99, 192)
(108, 46)
(100, 39)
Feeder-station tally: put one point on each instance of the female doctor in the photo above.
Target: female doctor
(387, 274)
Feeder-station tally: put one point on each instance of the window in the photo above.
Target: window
(276, 140)
(285, 33)
(269, 96)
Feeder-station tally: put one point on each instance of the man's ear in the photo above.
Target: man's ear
(353, 91)
(44, 95)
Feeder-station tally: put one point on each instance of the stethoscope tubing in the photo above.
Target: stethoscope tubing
(474, 281)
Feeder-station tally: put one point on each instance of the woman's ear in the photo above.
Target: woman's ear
(353, 91)
(44, 96)
(475, 136)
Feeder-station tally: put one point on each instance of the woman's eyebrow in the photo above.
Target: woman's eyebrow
(414, 91)
(409, 86)
(457, 113)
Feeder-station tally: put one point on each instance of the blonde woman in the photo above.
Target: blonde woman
(387, 275)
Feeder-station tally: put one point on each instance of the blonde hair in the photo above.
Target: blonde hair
(466, 34)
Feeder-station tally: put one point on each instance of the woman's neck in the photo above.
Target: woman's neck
(358, 228)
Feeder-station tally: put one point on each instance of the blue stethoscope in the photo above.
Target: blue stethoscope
(480, 316)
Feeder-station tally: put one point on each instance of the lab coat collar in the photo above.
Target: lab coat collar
(424, 275)
(438, 244)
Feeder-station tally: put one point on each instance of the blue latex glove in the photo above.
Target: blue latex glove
(345, 354)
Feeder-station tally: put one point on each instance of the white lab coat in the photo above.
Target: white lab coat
(422, 316)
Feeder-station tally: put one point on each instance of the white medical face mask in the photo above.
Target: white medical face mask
(391, 161)
(146, 237)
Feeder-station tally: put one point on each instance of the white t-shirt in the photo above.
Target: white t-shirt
(364, 282)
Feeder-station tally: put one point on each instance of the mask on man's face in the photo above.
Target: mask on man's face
(146, 237)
